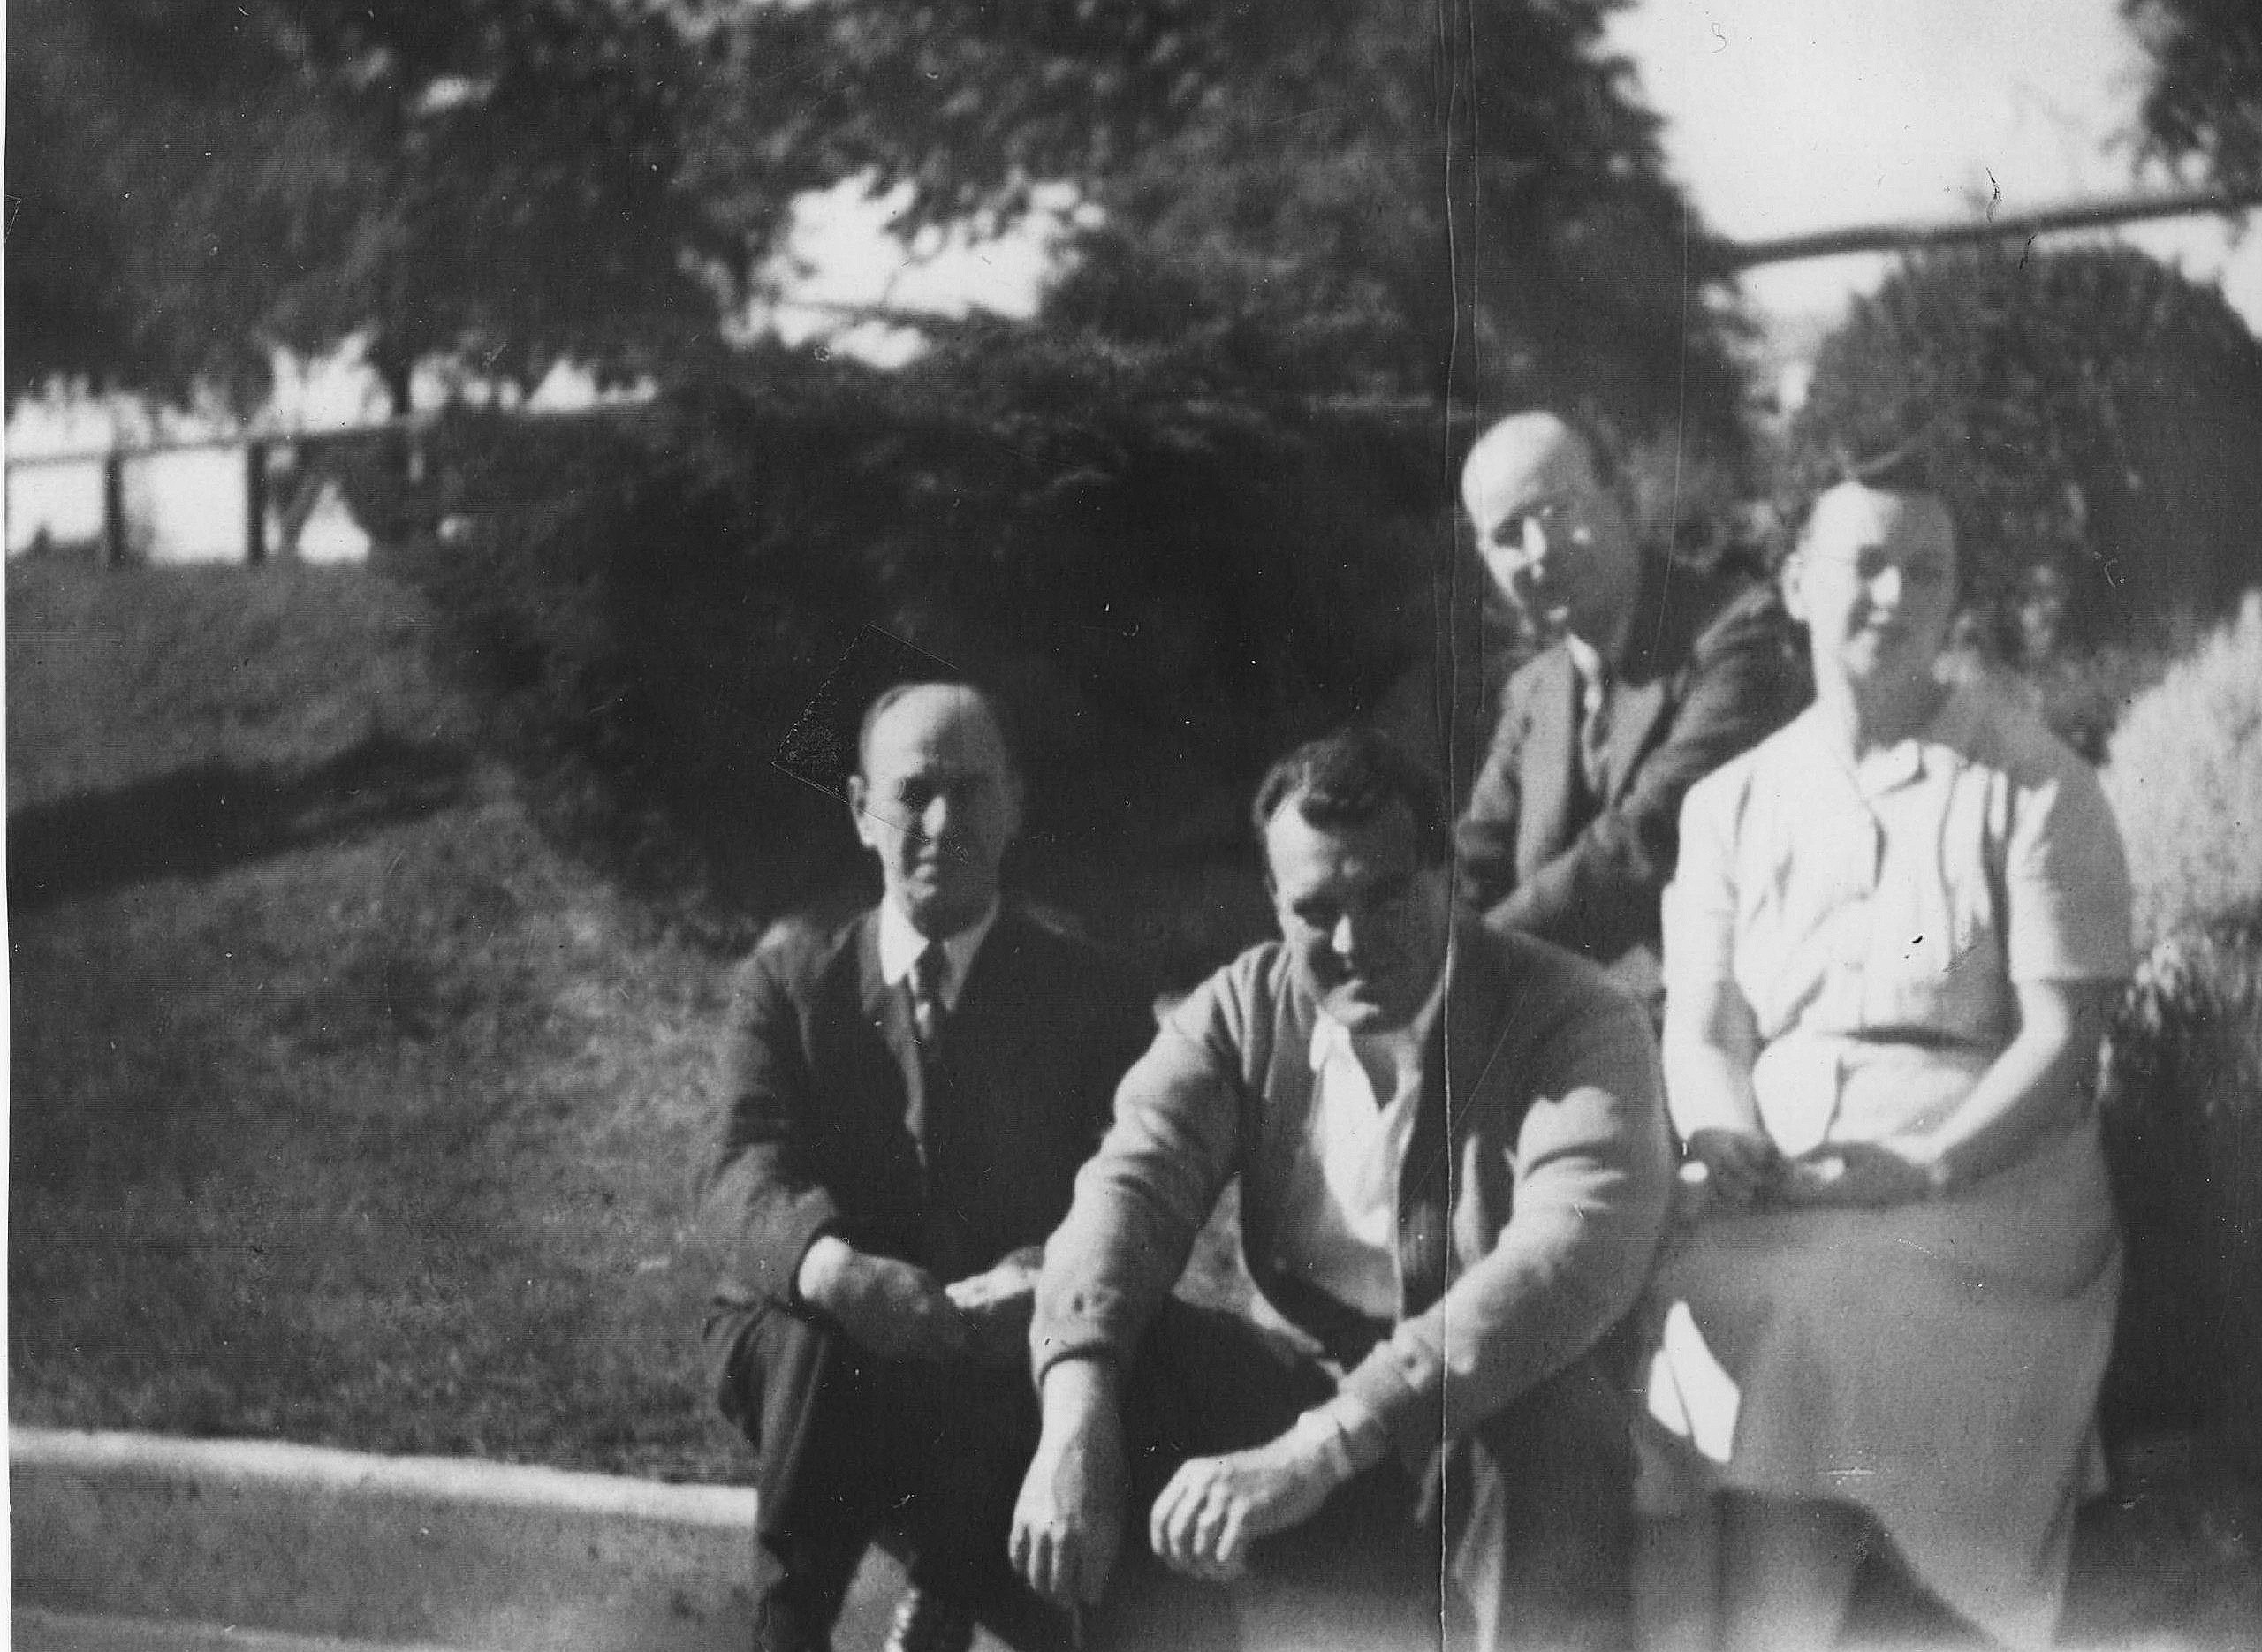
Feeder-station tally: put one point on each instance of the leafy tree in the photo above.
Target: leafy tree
(2090, 410)
(2205, 98)
(1360, 197)
(198, 181)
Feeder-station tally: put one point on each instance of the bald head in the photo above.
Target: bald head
(1555, 534)
(937, 799)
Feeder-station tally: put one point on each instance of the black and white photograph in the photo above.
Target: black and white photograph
(1134, 825)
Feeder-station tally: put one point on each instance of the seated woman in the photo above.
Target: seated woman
(1895, 933)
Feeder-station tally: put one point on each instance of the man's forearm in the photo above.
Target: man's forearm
(1078, 1392)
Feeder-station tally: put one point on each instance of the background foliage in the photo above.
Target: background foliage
(1163, 590)
(2090, 410)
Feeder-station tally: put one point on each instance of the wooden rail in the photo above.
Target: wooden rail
(2077, 215)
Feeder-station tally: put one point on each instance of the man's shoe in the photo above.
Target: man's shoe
(927, 1622)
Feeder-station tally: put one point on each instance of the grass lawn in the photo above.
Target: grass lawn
(345, 1111)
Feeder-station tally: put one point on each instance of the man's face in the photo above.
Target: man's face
(938, 802)
(1364, 920)
(1556, 542)
(1874, 581)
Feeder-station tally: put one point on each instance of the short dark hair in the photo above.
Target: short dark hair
(1905, 466)
(1352, 778)
(887, 698)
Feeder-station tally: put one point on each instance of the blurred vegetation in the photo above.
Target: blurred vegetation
(1383, 201)
(2090, 413)
(1164, 587)
(195, 182)
(2183, 1069)
(2185, 780)
(2204, 103)
(2183, 1122)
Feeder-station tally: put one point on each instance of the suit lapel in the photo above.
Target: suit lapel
(1634, 711)
(1551, 760)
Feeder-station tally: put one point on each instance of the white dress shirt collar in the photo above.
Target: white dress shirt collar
(900, 946)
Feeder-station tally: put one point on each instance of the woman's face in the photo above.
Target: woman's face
(1874, 581)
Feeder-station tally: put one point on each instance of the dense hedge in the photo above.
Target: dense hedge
(1164, 578)
(2183, 1132)
(2185, 780)
(2091, 411)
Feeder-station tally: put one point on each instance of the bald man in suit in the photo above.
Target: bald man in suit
(908, 1099)
(1651, 675)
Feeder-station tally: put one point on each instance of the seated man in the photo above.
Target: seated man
(1453, 1163)
(909, 1100)
(1650, 676)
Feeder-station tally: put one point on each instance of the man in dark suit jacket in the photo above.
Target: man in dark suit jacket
(908, 1100)
(1652, 675)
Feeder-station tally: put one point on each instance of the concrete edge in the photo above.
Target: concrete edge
(305, 1467)
(33, 1629)
(407, 1550)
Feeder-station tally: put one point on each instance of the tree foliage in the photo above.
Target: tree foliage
(1364, 198)
(198, 181)
(2204, 101)
(1200, 504)
(2090, 409)
(1370, 198)
(1164, 586)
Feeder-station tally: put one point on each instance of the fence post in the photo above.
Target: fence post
(254, 502)
(114, 508)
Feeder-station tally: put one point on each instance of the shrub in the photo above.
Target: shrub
(2090, 411)
(1164, 577)
(2184, 1134)
(2185, 781)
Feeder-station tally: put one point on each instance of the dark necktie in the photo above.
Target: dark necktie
(930, 1029)
(931, 974)
(1594, 735)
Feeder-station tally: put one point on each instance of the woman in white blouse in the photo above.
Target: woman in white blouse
(1895, 932)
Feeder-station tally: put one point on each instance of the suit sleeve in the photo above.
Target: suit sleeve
(760, 1182)
(1593, 1172)
(1600, 895)
(1484, 838)
(1142, 1198)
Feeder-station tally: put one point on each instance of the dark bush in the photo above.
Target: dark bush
(2184, 1134)
(1165, 579)
(2090, 413)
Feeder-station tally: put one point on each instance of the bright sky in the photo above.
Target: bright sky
(1786, 116)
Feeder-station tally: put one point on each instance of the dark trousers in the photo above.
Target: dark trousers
(1519, 1535)
(850, 1449)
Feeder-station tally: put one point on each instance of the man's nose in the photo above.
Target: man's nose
(1538, 544)
(1885, 588)
(1344, 938)
(935, 819)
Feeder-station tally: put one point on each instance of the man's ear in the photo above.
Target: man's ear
(1788, 580)
(858, 795)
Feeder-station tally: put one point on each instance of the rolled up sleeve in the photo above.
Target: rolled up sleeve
(1142, 1198)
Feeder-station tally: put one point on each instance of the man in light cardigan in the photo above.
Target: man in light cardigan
(1454, 1165)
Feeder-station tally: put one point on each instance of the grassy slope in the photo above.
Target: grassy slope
(341, 1109)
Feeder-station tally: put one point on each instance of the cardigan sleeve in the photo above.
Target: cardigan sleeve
(1592, 1175)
